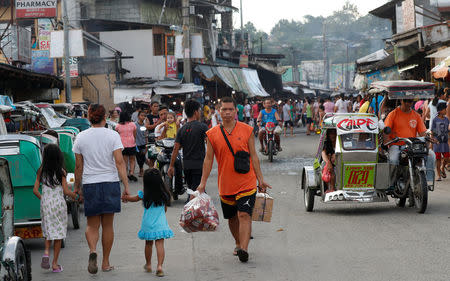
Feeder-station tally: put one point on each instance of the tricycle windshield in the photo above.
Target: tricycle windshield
(358, 141)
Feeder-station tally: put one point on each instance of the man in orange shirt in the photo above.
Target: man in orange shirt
(404, 123)
(237, 190)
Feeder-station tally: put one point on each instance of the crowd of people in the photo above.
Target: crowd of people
(107, 152)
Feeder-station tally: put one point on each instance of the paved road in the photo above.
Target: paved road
(335, 242)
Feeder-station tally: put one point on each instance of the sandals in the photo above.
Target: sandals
(443, 174)
(235, 252)
(45, 263)
(147, 269)
(58, 270)
(108, 269)
(92, 267)
(160, 273)
(243, 255)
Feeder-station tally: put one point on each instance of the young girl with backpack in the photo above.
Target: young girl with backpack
(154, 226)
(52, 178)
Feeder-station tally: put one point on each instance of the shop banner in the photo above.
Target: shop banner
(73, 66)
(44, 28)
(36, 8)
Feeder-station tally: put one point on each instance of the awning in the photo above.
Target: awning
(145, 93)
(373, 57)
(440, 54)
(442, 70)
(243, 80)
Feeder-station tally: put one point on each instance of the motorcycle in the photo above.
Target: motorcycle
(174, 184)
(410, 176)
(269, 141)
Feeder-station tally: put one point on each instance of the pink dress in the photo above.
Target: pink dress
(126, 132)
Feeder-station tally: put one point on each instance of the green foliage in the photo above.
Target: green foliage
(363, 34)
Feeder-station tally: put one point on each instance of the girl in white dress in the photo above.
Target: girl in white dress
(52, 178)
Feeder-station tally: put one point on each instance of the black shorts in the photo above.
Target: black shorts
(309, 120)
(129, 151)
(289, 122)
(193, 178)
(231, 206)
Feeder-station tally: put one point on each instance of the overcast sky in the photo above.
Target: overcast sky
(266, 13)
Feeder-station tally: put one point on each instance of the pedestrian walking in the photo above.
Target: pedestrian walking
(440, 129)
(247, 112)
(255, 114)
(52, 177)
(154, 227)
(287, 117)
(99, 164)
(191, 139)
(233, 146)
(141, 141)
(240, 109)
(308, 110)
(153, 117)
(127, 132)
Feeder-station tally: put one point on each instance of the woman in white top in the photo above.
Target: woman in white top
(99, 164)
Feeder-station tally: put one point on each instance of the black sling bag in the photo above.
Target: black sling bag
(241, 158)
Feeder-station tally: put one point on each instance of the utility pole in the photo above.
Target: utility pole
(326, 72)
(186, 41)
(260, 45)
(66, 53)
(346, 68)
(242, 31)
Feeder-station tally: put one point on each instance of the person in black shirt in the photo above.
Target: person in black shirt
(191, 138)
(153, 117)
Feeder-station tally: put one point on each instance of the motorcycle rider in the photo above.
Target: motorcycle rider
(268, 114)
(405, 123)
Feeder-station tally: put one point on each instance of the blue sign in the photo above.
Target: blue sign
(41, 62)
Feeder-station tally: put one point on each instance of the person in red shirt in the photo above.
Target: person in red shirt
(237, 190)
(404, 123)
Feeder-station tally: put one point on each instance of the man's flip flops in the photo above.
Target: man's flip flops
(243, 255)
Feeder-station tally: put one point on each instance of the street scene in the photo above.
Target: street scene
(224, 140)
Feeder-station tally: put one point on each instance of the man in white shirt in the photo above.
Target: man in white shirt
(287, 117)
(247, 112)
(341, 106)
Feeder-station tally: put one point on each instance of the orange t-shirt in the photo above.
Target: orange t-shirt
(231, 182)
(404, 125)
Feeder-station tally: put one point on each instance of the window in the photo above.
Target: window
(170, 45)
(358, 141)
(158, 44)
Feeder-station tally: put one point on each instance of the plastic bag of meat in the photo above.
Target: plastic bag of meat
(199, 214)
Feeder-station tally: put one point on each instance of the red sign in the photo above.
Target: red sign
(36, 8)
(243, 61)
(171, 67)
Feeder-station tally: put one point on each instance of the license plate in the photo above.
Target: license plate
(29, 232)
(359, 176)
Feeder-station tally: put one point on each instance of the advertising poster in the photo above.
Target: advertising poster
(171, 67)
(73, 64)
(45, 29)
(41, 62)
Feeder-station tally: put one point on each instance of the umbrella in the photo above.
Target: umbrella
(442, 70)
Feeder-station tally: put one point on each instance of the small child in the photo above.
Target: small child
(171, 126)
(440, 129)
(154, 223)
(53, 205)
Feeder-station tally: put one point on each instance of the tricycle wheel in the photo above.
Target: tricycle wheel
(421, 192)
(75, 212)
(308, 195)
(22, 263)
(270, 150)
(400, 202)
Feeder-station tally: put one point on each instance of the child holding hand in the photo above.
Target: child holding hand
(53, 205)
(154, 227)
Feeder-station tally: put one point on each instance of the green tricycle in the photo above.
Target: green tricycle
(15, 263)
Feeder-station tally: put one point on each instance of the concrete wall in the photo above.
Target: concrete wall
(102, 84)
(139, 44)
(120, 10)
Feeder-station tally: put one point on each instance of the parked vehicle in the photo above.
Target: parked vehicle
(15, 257)
(269, 141)
(174, 184)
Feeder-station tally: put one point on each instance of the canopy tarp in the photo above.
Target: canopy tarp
(243, 80)
(442, 70)
(440, 54)
(403, 89)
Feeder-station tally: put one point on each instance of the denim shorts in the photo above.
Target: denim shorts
(101, 198)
